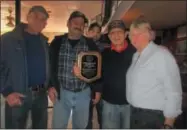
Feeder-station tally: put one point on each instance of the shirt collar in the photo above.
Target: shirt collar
(113, 47)
(146, 50)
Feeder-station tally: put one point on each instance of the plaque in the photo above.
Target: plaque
(90, 65)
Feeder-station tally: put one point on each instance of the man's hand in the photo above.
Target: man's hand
(52, 94)
(76, 70)
(169, 121)
(97, 98)
(14, 99)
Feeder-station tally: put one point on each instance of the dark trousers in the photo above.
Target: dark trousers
(185, 118)
(16, 117)
(146, 118)
(99, 113)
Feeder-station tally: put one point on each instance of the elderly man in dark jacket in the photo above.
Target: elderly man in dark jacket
(25, 72)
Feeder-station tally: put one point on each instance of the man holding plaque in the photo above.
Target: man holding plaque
(72, 90)
(115, 62)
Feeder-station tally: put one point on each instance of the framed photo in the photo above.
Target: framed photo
(181, 54)
(181, 47)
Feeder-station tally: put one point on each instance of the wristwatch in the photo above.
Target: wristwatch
(166, 126)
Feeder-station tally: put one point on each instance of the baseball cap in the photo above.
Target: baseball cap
(76, 14)
(116, 24)
(39, 8)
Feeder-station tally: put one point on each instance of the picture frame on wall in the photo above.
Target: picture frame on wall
(181, 54)
(181, 47)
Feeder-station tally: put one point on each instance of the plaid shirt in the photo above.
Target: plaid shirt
(67, 59)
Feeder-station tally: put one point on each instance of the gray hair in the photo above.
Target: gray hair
(141, 23)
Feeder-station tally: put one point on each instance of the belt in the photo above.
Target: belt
(75, 90)
(136, 109)
(37, 88)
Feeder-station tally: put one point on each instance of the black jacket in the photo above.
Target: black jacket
(54, 54)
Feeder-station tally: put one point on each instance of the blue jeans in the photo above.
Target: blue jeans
(37, 102)
(115, 116)
(78, 102)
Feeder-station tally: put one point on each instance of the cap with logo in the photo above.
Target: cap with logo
(116, 24)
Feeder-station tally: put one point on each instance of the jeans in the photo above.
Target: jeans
(115, 116)
(78, 102)
(185, 120)
(16, 117)
(146, 118)
(99, 114)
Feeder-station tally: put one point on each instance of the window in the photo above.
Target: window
(7, 16)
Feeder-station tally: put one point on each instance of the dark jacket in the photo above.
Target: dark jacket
(54, 55)
(13, 62)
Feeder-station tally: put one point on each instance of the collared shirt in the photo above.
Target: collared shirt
(67, 58)
(153, 81)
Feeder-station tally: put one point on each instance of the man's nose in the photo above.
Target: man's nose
(116, 36)
(78, 26)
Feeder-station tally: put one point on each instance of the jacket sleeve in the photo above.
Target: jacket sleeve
(5, 70)
(52, 59)
(97, 85)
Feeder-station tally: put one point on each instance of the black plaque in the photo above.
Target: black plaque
(90, 65)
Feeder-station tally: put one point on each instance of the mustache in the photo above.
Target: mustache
(78, 29)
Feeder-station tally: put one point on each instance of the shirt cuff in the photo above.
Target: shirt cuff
(7, 91)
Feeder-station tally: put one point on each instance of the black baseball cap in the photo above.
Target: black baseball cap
(116, 24)
(76, 14)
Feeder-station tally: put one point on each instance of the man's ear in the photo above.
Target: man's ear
(29, 15)
(68, 24)
(109, 36)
